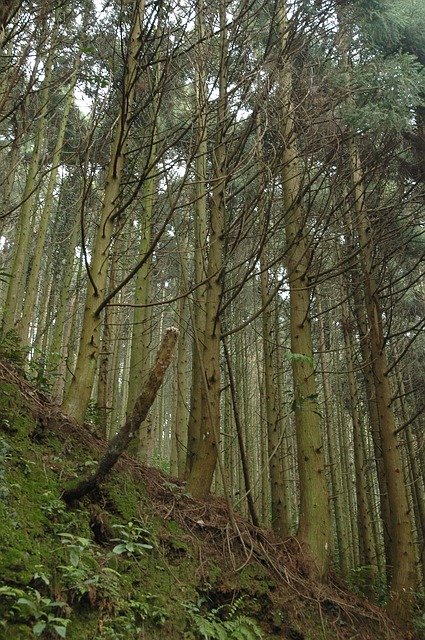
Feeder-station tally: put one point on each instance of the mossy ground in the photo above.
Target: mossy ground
(197, 563)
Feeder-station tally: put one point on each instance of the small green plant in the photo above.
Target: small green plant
(419, 614)
(83, 577)
(148, 610)
(77, 546)
(5, 456)
(58, 517)
(52, 506)
(11, 348)
(223, 623)
(40, 576)
(92, 414)
(97, 586)
(133, 539)
(32, 607)
(132, 621)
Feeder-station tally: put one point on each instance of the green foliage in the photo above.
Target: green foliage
(384, 91)
(40, 368)
(419, 614)
(5, 456)
(40, 611)
(132, 621)
(43, 369)
(147, 609)
(11, 348)
(392, 26)
(53, 506)
(93, 414)
(298, 357)
(77, 547)
(161, 462)
(83, 577)
(223, 623)
(360, 581)
(133, 539)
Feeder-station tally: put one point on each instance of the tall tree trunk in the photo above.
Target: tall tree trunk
(78, 395)
(314, 529)
(404, 578)
(34, 274)
(181, 380)
(202, 471)
(200, 241)
(333, 450)
(368, 558)
(279, 507)
(141, 327)
(15, 292)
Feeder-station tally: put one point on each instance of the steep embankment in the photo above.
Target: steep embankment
(141, 559)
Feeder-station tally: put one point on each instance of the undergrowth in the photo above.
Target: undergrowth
(140, 559)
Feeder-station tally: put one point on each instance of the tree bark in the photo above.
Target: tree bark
(120, 442)
(78, 395)
(202, 471)
(314, 527)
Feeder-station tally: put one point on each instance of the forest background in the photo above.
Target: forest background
(251, 173)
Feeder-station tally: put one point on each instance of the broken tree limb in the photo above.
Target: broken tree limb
(121, 440)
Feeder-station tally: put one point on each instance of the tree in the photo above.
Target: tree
(78, 395)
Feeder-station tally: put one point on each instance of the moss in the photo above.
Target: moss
(123, 495)
(254, 578)
(34, 466)
(15, 419)
(18, 632)
(83, 625)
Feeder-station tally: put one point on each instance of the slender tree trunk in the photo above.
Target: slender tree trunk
(78, 395)
(34, 274)
(141, 339)
(181, 381)
(200, 241)
(333, 451)
(404, 579)
(279, 507)
(364, 341)
(314, 532)
(15, 292)
(366, 539)
(242, 452)
(202, 471)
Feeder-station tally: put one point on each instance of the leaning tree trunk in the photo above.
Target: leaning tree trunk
(120, 442)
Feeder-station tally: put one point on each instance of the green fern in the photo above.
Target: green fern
(234, 627)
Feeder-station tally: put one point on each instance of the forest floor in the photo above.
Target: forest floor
(142, 559)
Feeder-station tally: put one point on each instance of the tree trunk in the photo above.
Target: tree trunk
(120, 442)
(314, 532)
(202, 471)
(34, 274)
(15, 291)
(403, 582)
(78, 395)
(200, 241)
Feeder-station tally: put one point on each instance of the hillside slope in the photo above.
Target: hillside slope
(141, 559)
